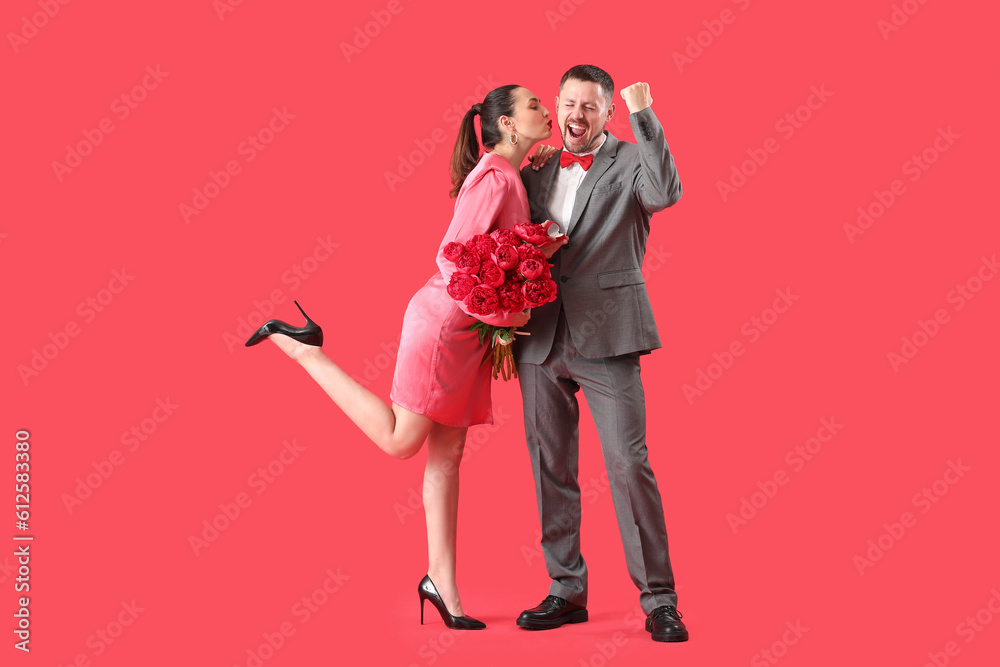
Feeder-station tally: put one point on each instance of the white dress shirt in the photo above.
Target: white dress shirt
(564, 191)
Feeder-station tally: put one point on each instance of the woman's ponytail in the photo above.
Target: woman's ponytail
(466, 154)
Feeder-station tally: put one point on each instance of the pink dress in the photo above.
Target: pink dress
(439, 369)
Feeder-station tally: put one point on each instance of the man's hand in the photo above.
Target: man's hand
(541, 156)
(549, 249)
(637, 97)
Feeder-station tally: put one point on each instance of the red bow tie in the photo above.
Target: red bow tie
(567, 158)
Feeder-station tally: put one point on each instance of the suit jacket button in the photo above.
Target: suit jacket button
(564, 278)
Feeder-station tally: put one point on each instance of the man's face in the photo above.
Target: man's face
(582, 112)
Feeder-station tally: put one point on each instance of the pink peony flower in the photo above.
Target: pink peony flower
(453, 251)
(461, 284)
(511, 296)
(532, 268)
(491, 274)
(505, 237)
(532, 233)
(507, 257)
(538, 292)
(482, 300)
(481, 244)
(468, 262)
(526, 250)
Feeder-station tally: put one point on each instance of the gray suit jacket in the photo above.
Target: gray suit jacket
(599, 272)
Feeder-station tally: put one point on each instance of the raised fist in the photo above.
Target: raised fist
(637, 97)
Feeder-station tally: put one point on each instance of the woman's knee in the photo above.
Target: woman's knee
(447, 443)
(405, 449)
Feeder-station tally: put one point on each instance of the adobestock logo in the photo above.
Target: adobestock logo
(963, 292)
(249, 149)
(432, 649)
(31, 26)
(59, 340)
(368, 31)
(779, 649)
(900, 14)
(605, 651)
(122, 106)
(562, 12)
(106, 636)
(223, 7)
(797, 458)
(302, 610)
(655, 260)
(378, 364)
(968, 629)
(259, 481)
(102, 638)
(786, 126)
(753, 328)
(914, 167)
(697, 43)
(133, 438)
(923, 500)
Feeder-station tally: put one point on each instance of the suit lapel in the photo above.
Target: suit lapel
(602, 162)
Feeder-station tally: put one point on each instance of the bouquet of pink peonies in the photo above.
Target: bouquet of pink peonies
(501, 272)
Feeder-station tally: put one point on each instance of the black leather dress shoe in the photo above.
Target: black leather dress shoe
(666, 625)
(552, 613)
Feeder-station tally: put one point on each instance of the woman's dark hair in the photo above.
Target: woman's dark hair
(499, 102)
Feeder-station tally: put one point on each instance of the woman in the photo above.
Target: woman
(440, 386)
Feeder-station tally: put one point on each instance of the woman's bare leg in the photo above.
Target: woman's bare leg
(396, 430)
(445, 445)
(401, 433)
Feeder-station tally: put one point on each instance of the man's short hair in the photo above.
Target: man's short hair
(593, 74)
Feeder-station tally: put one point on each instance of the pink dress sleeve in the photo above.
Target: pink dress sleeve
(476, 210)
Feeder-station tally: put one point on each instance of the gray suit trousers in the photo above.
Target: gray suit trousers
(614, 393)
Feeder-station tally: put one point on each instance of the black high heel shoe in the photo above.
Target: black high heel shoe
(310, 334)
(427, 591)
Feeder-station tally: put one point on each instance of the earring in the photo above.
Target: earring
(513, 138)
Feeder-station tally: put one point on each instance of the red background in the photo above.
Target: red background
(173, 331)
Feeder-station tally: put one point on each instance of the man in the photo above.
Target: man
(602, 192)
